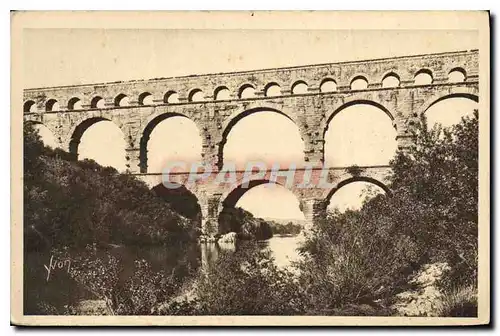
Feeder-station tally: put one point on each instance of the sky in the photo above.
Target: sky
(76, 56)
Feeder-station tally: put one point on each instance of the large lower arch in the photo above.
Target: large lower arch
(287, 206)
(181, 200)
(146, 134)
(104, 156)
(453, 107)
(354, 179)
(356, 102)
(231, 122)
(360, 132)
(439, 97)
(44, 132)
(77, 133)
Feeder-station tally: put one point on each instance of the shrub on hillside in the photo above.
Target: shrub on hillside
(366, 256)
(244, 224)
(75, 203)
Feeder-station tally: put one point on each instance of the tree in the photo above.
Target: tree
(362, 256)
(76, 203)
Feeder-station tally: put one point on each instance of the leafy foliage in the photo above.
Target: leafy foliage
(364, 256)
(129, 286)
(76, 203)
(246, 282)
(288, 228)
(244, 223)
(181, 200)
(70, 205)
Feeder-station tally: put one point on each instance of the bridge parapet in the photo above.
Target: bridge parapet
(191, 89)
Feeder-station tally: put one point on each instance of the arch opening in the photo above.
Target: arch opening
(181, 200)
(122, 100)
(48, 138)
(252, 136)
(167, 138)
(263, 199)
(299, 87)
(449, 110)
(74, 104)
(222, 93)
(29, 106)
(359, 83)
(390, 80)
(352, 193)
(171, 97)
(423, 77)
(52, 105)
(328, 85)
(196, 95)
(360, 133)
(146, 98)
(457, 75)
(262, 210)
(89, 137)
(97, 102)
(272, 90)
(247, 91)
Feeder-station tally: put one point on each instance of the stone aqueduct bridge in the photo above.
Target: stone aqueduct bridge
(216, 102)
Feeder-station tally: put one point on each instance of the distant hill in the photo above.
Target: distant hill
(285, 226)
(284, 221)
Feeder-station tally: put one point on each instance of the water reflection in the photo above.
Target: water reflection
(180, 264)
(95, 270)
(283, 249)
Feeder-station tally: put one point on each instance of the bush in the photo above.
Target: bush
(245, 282)
(352, 261)
(461, 302)
(288, 228)
(76, 203)
(366, 256)
(129, 283)
(244, 223)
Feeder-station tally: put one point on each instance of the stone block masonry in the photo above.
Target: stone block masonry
(136, 107)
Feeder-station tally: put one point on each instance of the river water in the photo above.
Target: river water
(284, 249)
(184, 261)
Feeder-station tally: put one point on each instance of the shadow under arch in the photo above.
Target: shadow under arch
(28, 105)
(80, 129)
(181, 199)
(235, 119)
(433, 101)
(146, 133)
(345, 182)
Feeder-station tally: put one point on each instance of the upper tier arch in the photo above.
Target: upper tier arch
(343, 72)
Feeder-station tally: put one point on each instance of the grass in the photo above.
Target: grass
(461, 302)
